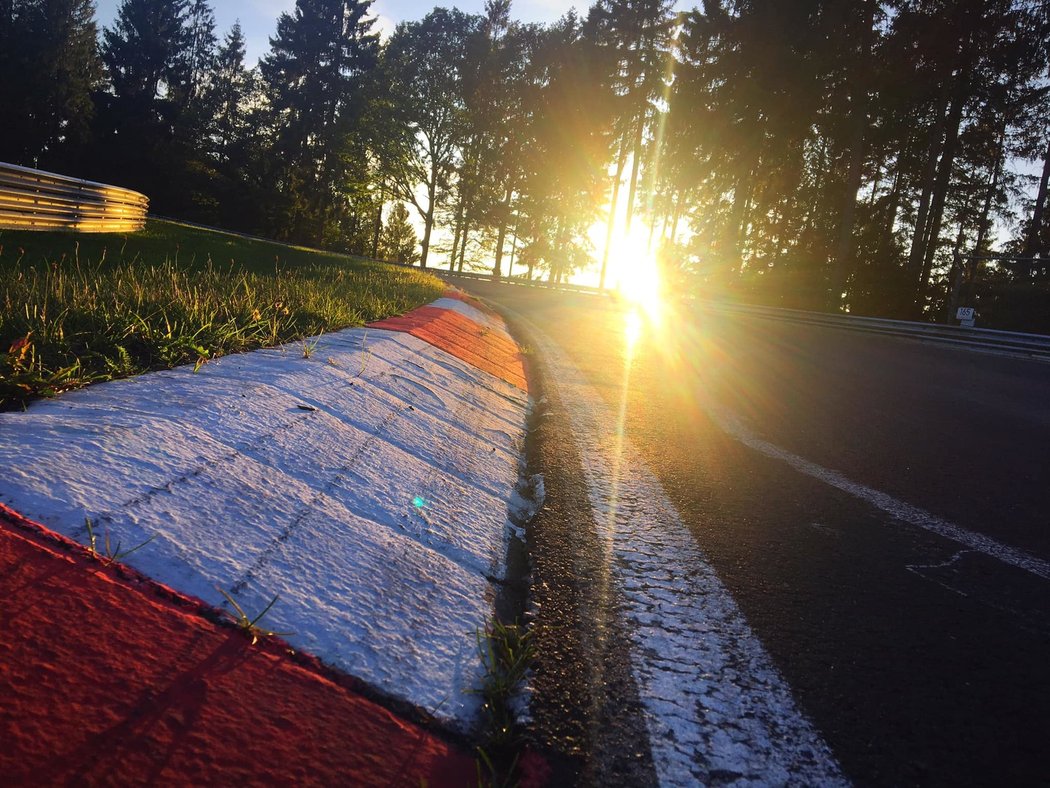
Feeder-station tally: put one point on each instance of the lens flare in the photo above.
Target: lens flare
(639, 275)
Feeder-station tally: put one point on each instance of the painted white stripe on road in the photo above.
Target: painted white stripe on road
(887, 503)
(718, 711)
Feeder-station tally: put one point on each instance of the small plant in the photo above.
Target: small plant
(495, 775)
(506, 652)
(250, 626)
(110, 553)
(310, 347)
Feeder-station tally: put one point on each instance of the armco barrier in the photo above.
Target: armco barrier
(1036, 346)
(37, 200)
(1012, 342)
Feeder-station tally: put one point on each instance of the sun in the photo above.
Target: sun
(637, 273)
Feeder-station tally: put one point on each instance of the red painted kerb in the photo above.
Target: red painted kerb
(106, 678)
(461, 337)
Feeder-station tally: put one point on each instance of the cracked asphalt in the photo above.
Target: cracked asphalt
(918, 658)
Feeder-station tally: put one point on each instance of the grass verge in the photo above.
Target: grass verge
(77, 309)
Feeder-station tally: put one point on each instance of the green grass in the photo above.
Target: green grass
(76, 309)
(507, 652)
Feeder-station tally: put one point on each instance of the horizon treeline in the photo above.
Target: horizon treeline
(825, 154)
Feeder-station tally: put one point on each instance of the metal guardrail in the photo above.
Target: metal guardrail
(1036, 346)
(1030, 345)
(37, 200)
(514, 280)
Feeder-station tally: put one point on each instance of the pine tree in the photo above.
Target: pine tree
(200, 52)
(633, 40)
(565, 152)
(398, 241)
(145, 50)
(47, 52)
(316, 78)
(228, 89)
(154, 123)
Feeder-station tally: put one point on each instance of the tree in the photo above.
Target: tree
(633, 40)
(47, 52)
(229, 87)
(200, 51)
(498, 106)
(315, 74)
(398, 241)
(145, 51)
(565, 150)
(422, 73)
(153, 130)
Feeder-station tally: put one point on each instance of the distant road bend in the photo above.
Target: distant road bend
(781, 553)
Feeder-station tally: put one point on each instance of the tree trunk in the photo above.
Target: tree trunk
(955, 274)
(859, 121)
(1034, 243)
(677, 215)
(893, 200)
(918, 241)
(513, 250)
(463, 244)
(635, 166)
(377, 230)
(944, 172)
(738, 220)
(504, 218)
(455, 238)
(559, 244)
(984, 225)
(986, 210)
(428, 223)
(611, 224)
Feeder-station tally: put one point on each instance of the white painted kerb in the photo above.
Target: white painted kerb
(378, 514)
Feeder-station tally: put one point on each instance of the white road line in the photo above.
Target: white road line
(717, 709)
(887, 503)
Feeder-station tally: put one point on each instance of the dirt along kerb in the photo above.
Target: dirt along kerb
(362, 478)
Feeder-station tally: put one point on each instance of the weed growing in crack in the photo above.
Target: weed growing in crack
(506, 652)
(310, 347)
(250, 626)
(110, 553)
(492, 774)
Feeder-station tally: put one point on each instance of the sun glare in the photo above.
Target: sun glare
(637, 274)
(632, 329)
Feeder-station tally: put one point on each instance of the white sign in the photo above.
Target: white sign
(964, 313)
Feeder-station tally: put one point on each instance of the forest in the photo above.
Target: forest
(883, 158)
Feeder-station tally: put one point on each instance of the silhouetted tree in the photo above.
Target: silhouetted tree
(50, 67)
(422, 74)
(315, 80)
(398, 241)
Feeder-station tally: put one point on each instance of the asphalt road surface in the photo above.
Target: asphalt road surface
(877, 508)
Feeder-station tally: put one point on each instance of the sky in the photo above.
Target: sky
(259, 17)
